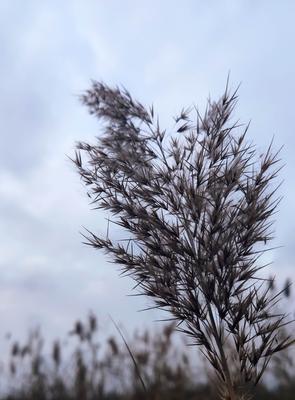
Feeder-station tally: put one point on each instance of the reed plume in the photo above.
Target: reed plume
(197, 204)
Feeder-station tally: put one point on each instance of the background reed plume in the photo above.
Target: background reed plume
(197, 205)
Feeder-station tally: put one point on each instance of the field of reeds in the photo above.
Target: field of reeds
(162, 368)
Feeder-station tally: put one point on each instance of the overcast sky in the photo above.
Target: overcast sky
(169, 53)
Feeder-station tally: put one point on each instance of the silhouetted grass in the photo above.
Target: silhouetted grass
(197, 206)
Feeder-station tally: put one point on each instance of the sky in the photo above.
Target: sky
(167, 53)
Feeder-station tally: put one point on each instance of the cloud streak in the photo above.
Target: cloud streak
(162, 52)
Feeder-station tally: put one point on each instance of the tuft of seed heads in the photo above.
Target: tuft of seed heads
(197, 204)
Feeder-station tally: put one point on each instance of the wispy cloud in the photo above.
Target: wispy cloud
(165, 53)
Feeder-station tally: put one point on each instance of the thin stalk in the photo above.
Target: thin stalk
(227, 374)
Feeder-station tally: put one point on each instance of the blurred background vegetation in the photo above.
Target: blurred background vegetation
(87, 367)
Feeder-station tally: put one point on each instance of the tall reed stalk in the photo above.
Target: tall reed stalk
(197, 204)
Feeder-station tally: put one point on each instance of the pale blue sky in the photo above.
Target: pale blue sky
(170, 53)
